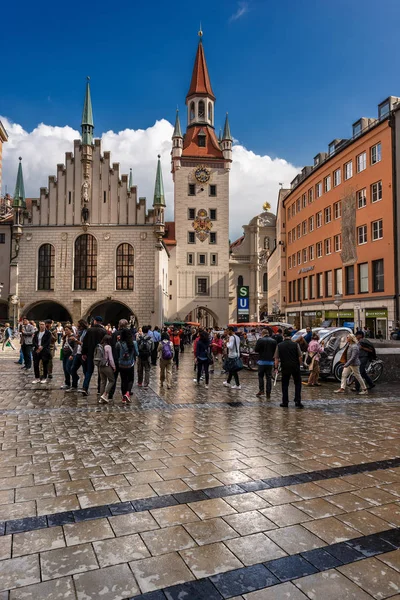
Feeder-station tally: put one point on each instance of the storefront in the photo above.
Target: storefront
(340, 318)
(294, 319)
(312, 318)
(376, 320)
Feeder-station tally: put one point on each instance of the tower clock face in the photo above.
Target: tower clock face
(202, 174)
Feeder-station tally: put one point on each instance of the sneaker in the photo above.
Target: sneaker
(339, 391)
(195, 382)
(268, 396)
(206, 387)
(43, 381)
(123, 399)
(36, 381)
(226, 384)
(72, 389)
(65, 387)
(363, 393)
(127, 398)
(103, 398)
(236, 387)
(50, 376)
(283, 405)
(260, 394)
(146, 385)
(17, 362)
(299, 405)
(84, 392)
(140, 385)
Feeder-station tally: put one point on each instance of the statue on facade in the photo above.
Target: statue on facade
(85, 191)
(85, 214)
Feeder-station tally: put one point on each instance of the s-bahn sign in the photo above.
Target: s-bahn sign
(243, 304)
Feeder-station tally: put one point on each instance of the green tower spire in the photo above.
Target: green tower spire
(130, 178)
(227, 130)
(87, 124)
(19, 193)
(177, 128)
(159, 198)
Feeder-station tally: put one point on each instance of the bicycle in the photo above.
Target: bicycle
(374, 370)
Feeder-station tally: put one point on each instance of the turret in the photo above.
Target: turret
(200, 97)
(19, 205)
(226, 141)
(159, 205)
(87, 125)
(177, 143)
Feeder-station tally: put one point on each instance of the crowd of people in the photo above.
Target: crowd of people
(116, 351)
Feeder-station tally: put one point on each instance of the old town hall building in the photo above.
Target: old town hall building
(89, 245)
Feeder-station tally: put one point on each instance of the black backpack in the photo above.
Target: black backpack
(371, 355)
(144, 347)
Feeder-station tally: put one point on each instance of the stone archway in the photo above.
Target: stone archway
(47, 309)
(111, 311)
(204, 316)
(3, 310)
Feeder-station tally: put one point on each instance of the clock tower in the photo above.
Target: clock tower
(200, 168)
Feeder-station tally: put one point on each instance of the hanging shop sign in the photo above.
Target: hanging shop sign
(243, 304)
(377, 313)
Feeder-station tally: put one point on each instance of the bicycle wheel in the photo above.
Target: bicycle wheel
(375, 371)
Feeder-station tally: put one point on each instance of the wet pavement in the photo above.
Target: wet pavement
(195, 493)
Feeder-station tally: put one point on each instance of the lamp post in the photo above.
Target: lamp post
(14, 302)
(338, 303)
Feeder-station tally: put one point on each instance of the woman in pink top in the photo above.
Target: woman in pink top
(314, 352)
(106, 371)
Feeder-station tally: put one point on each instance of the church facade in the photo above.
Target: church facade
(90, 246)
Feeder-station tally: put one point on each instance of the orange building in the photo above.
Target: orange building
(340, 255)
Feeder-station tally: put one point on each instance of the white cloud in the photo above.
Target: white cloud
(254, 178)
(242, 9)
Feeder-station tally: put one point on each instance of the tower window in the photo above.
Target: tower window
(213, 214)
(209, 111)
(191, 213)
(104, 196)
(69, 197)
(201, 110)
(192, 189)
(213, 190)
(192, 111)
(201, 140)
(46, 267)
(191, 238)
(213, 237)
(214, 259)
(190, 258)
(202, 286)
(201, 259)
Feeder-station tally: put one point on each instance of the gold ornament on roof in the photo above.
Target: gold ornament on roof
(266, 206)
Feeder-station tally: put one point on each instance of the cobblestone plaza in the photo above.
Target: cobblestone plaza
(197, 494)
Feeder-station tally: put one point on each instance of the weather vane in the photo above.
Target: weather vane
(200, 34)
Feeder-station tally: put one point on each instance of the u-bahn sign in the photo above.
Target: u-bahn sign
(243, 304)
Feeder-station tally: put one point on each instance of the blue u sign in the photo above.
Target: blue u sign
(243, 303)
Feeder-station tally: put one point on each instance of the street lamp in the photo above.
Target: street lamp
(338, 303)
(14, 302)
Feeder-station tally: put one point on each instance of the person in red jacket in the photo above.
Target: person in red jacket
(176, 340)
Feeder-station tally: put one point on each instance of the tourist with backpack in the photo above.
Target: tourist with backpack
(127, 351)
(145, 347)
(176, 340)
(203, 357)
(165, 354)
(104, 360)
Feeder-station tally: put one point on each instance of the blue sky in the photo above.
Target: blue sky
(292, 74)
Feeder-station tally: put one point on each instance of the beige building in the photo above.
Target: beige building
(248, 265)
(277, 263)
(5, 237)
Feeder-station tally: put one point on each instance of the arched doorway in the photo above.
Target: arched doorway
(3, 310)
(47, 310)
(204, 316)
(111, 311)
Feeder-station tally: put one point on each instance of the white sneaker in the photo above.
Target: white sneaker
(195, 381)
(43, 381)
(226, 384)
(104, 398)
(206, 386)
(36, 381)
(236, 387)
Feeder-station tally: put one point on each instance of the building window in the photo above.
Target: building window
(294, 234)
(201, 112)
(305, 288)
(328, 214)
(304, 200)
(294, 260)
(304, 255)
(299, 258)
(46, 265)
(265, 282)
(290, 292)
(337, 209)
(191, 237)
(337, 178)
(2, 238)
(190, 258)
(337, 240)
(192, 189)
(213, 190)
(201, 139)
(376, 191)
(240, 281)
(85, 265)
(311, 224)
(384, 110)
(348, 170)
(192, 111)
(209, 111)
(69, 197)
(320, 291)
(318, 190)
(362, 235)
(293, 209)
(338, 281)
(327, 244)
(290, 262)
(378, 276)
(104, 197)
(310, 196)
(328, 283)
(319, 249)
(299, 296)
(361, 162)
(213, 214)
(363, 278)
(331, 148)
(289, 237)
(125, 267)
(298, 232)
(202, 259)
(377, 230)
(304, 227)
(350, 283)
(327, 184)
(202, 286)
(213, 237)
(213, 259)
(298, 207)
(311, 253)
(191, 213)
(361, 198)
(376, 154)
(312, 287)
(357, 129)
(319, 219)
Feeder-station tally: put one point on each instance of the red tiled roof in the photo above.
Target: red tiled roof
(200, 83)
(191, 146)
(237, 242)
(169, 238)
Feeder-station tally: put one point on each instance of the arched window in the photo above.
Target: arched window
(125, 267)
(192, 111)
(266, 243)
(85, 266)
(209, 111)
(265, 282)
(201, 110)
(240, 280)
(46, 267)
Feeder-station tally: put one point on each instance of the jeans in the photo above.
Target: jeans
(357, 375)
(37, 357)
(127, 376)
(166, 371)
(89, 372)
(27, 352)
(67, 366)
(203, 364)
(106, 379)
(114, 385)
(143, 365)
(265, 371)
(154, 354)
(364, 375)
(235, 375)
(286, 375)
(77, 363)
(176, 355)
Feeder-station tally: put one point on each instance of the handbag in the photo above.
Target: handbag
(310, 357)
